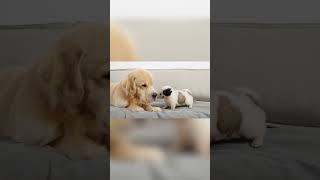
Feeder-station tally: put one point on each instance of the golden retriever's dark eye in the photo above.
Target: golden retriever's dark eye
(144, 85)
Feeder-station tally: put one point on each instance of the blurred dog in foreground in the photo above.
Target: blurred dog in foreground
(195, 134)
(188, 135)
(121, 148)
(60, 100)
(238, 113)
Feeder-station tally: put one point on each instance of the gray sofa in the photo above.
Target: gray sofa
(279, 61)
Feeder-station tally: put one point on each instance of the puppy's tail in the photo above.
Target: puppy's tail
(251, 94)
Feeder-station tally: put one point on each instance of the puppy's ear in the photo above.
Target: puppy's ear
(130, 85)
(64, 77)
(167, 92)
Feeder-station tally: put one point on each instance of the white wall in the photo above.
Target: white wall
(159, 8)
(181, 40)
(166, 29)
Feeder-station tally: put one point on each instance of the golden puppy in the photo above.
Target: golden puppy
(60, 100)
(189, 134)
(194, 133)
(121, 47)
(134, 92)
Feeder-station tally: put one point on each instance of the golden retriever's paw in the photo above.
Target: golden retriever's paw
(136, 108)
(156, 109)
(153, 109)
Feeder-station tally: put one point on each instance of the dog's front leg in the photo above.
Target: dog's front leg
(150, 108)
(173, 106)
(135, 108)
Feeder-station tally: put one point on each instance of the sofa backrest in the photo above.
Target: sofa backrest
(196, 79)
(23, 44)
(280, 61)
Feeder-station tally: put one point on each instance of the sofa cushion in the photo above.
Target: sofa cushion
(200, 109)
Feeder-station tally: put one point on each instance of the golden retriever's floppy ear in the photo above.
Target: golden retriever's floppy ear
(64, 77)
(129, 85)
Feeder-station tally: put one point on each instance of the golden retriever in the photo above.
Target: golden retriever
(134, 92)
(60, 100)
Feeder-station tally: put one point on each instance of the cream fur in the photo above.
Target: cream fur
(172, 101)
(134, 92)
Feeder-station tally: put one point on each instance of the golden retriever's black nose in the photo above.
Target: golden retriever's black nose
(154, 95)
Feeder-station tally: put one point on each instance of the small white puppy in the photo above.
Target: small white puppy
(238, 114)
(174, 98)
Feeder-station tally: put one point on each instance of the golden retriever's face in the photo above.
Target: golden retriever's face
(139, 85)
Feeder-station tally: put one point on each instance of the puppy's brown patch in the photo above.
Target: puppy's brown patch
(229, 116)
(181, 98)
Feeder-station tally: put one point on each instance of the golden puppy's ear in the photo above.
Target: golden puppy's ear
(65, 78)
(129, 85)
